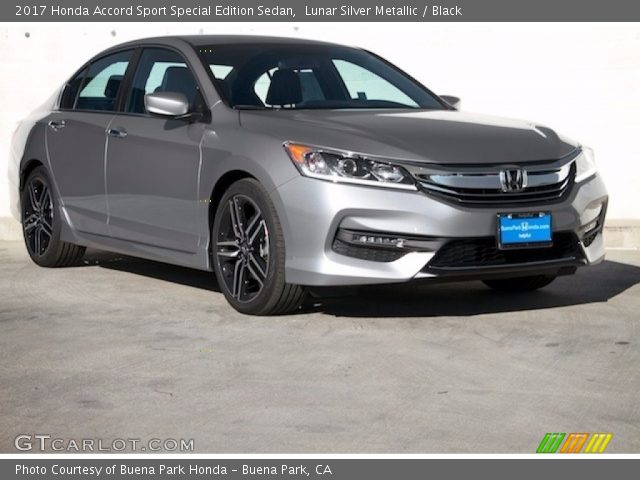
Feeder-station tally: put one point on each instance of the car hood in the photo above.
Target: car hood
(437, 136)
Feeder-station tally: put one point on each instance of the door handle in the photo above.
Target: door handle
(56, 125)
(117, 132)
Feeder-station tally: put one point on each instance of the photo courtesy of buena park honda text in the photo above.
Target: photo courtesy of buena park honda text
(328, 239)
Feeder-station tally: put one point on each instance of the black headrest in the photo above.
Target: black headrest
(112, 86)
(179, 79)
(285, 88)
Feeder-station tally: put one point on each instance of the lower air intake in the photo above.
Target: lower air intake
(483, 252)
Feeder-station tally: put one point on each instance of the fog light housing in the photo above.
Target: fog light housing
(387, 240)
(590, 230)
(377, 240)
(591, 226)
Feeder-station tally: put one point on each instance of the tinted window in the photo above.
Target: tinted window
(309, 85)
(102, 83)
(221, 71)
(70, 93)
(363, 84)
(311, 76)
(162, 71)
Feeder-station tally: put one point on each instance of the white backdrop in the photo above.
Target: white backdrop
(581, 79)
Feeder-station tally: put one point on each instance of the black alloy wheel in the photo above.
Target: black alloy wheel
(41, 223)
(242, 248)
(248, 252)
(37, 220)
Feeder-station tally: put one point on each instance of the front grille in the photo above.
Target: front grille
(537, 195)
(483, 252)
(545, 184)
(362, 252)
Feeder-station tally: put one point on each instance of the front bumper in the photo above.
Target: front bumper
(313, 211)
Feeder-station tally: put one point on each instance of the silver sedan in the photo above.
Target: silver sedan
(283, 164)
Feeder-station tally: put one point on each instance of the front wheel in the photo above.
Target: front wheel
(249, 252)
(520, 284)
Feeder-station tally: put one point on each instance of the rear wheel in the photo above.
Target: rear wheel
(520, 284)
(248, 252)
(41, 224)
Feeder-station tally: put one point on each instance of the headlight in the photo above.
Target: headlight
(585, 164)
(345, 167)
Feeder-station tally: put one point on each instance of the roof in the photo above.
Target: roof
(201, 40)
(222, 39)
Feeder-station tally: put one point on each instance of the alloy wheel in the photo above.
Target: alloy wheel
(242, 248)
(38, 216)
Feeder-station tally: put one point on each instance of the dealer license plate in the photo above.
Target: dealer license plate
(524, 230)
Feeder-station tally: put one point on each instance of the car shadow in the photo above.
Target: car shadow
(148, 268)
(596, 284)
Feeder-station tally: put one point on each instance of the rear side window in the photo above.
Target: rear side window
(102, 83)
(161, 70)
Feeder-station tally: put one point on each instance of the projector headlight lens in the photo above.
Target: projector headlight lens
(344, 167)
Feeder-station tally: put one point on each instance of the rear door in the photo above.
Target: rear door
(76, 135)
(153, 162)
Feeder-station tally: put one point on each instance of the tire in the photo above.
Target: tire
(41, 224)
(520, 284)
(248, 252)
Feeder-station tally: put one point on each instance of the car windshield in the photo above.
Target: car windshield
(275, 76)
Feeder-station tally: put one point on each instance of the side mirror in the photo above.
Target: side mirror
(167, 104)
(451, 100)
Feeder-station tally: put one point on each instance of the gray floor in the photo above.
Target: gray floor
(124, 348)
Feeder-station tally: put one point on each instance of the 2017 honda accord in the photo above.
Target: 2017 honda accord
(281, 164)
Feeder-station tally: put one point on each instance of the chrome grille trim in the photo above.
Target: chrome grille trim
(492, 180)
(474, 185)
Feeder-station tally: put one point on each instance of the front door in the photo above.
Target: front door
(153, 162)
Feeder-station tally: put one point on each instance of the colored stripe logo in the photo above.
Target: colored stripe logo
(550, 443)
(574, 442)
(598, 443)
